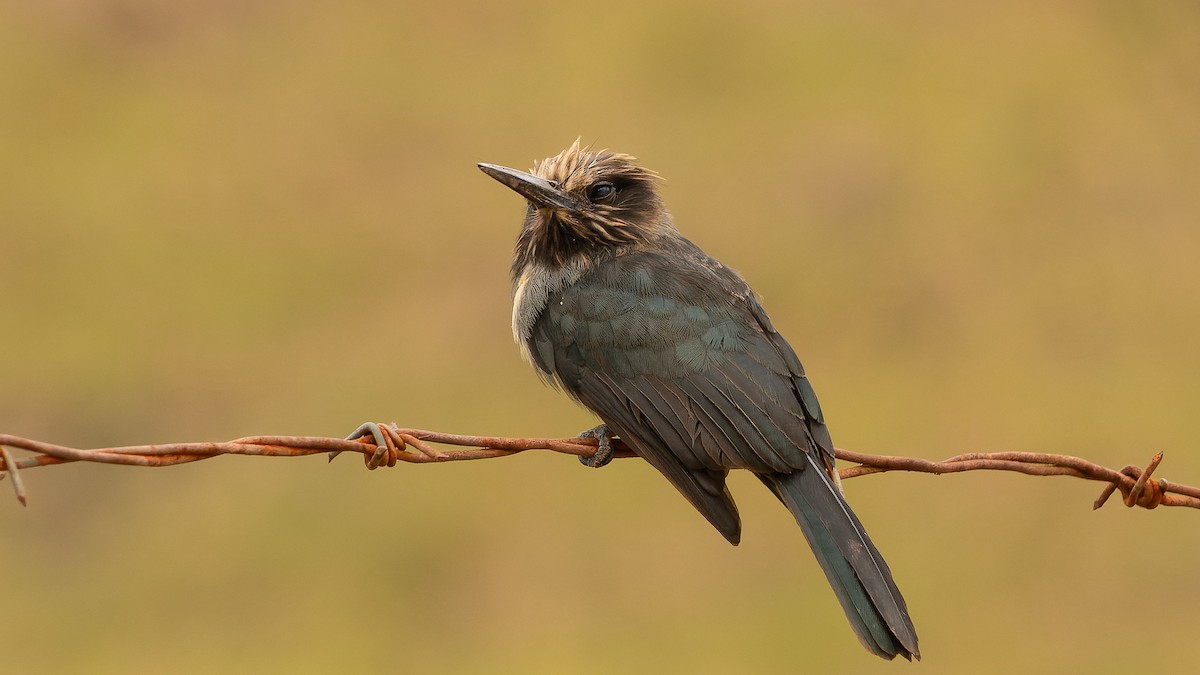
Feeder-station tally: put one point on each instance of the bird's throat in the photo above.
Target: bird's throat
(533, 286)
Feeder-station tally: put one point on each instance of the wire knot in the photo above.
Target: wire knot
(1143, 492)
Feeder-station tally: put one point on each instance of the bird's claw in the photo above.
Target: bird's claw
(604, 451)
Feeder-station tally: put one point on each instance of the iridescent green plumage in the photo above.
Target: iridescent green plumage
(672, 350)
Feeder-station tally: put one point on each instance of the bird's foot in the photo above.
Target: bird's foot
(604, 451)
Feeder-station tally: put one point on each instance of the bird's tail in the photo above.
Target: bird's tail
(856, 570)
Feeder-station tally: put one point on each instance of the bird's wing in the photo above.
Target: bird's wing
(704, 488)
(814, 419)
(682, 363)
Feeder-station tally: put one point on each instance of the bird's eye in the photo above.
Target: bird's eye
(601, 191)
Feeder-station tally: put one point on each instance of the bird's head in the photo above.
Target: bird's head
(584, 202)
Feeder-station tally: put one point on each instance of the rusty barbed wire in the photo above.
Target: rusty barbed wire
(415, 446)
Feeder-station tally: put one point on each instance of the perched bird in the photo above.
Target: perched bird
(673, 352)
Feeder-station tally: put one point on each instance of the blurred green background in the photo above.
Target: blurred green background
(978, 225)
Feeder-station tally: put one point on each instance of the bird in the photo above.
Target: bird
(675, 354)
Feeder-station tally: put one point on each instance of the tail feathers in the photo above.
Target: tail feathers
(856, 570)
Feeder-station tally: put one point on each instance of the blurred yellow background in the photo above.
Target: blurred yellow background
(979, 227)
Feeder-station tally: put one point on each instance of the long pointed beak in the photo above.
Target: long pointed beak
(539, 191)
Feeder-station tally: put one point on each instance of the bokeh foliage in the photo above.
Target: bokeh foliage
(979, 225)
